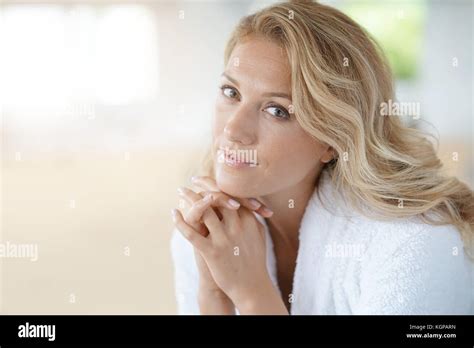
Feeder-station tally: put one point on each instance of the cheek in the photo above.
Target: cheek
(295, 155)
(219, 120)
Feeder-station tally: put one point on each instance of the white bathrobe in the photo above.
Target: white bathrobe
(350, 264)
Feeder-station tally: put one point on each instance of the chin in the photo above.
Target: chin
(235, 186)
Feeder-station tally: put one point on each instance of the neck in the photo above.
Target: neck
(288, 208)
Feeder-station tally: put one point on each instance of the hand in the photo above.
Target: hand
(194, 207)
(209, 184)
(234, 250)
(194, 214)
(211, 299)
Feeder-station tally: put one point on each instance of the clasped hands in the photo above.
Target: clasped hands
(229, 246)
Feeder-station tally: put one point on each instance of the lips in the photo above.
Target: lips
(238, 157)
(230, 158)
(233, 163)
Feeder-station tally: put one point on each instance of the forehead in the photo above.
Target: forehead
(260, 62)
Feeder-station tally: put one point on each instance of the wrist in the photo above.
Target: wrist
(264, 300)
(214, 301)
(212, 292)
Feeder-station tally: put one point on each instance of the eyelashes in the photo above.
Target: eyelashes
(279, 111)
(224, 88)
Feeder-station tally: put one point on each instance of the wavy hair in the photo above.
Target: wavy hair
(339, 80)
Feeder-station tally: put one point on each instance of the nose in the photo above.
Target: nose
(240, 127)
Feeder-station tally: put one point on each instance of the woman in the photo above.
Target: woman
(314, 202)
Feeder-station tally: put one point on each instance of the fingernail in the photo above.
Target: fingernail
(254, 203)
(180, 191)
(194, 178)
(233, 203)
(267, 211)
(173, 214)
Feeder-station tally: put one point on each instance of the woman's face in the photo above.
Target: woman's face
(259, 147)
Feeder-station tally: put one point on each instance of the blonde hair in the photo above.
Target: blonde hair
(339, 104)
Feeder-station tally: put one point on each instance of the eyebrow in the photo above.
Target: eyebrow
(268, 94)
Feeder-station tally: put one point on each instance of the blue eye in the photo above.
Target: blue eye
(278, 111)
(229, 92)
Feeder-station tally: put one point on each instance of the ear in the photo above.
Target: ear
(328, 155)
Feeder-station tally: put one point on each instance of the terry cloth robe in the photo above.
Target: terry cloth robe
(350, 264)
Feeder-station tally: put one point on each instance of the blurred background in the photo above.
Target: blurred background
(106, 109)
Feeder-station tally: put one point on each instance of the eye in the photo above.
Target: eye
(229, 92)
(278, 111)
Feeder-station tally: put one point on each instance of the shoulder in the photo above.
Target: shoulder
(422, 267)
(406, 266)
(411, 236)
(388, 236)
(412, 243)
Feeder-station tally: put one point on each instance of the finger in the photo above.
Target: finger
(263, 210)
(191, 197)
(219, 198)
(226, 208)
(248, 215)
(185, 206)
(196, 212)
(209, 217)
(213, 223)
(208, 183)
(194, 217)
(198, 241)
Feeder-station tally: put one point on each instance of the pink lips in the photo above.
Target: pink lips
(235, 163)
